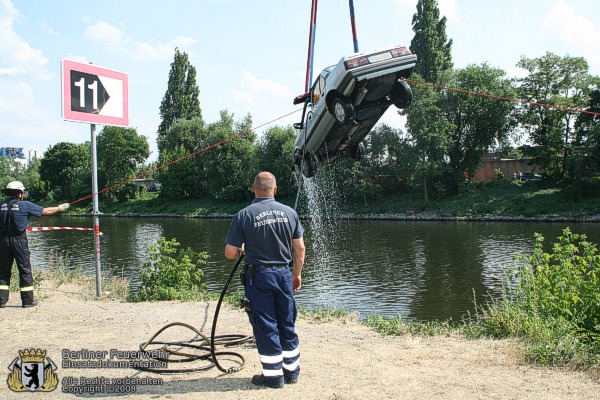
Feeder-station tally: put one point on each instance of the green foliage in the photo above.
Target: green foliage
(555, 306)
(564, 284)
(229, 166)
(120, 152)
(559, 81)
(430, 42)
(181, 100)
(171, 274)
(12, 170)
(273, 153)
(480, 123)
(67, 169)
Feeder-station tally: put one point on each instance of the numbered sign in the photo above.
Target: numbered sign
(95, 95)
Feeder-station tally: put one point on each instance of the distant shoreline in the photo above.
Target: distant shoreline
(425, 216)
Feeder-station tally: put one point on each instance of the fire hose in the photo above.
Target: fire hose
(201, 342)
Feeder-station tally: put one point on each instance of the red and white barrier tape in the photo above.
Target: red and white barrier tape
(58, 228)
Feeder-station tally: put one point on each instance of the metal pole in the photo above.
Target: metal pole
(353, 23)
(311, 46)
(95, 213)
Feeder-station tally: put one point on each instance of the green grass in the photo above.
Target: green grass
(59, 274)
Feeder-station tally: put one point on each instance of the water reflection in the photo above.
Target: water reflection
(422, 270)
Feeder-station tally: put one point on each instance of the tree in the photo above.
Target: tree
(391, 157)
(559, 81)
(434, 58)
(273, 153)
(583, 161)
(184, 178)
(36, 187)
(181, 100)
(430, 135)
(430, 43)
(229, 167)
(67, 169)
(479, 123)
(120, 152)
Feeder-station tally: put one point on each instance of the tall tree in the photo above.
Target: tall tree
(120, 152)
(559, 81)
(434, 59)
(181, 100)
(430, 42)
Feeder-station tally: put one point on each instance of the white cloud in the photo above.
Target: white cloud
(266, 86)
(116, 40)
(243, 98)
(17, 57)
(16, 98)
(576, 30)
(103, 32)
(47, 29)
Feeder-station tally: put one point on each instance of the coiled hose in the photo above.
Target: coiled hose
(199, 343)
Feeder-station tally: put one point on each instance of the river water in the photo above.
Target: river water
(423, 270)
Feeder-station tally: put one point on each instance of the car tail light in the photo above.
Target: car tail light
(356, 62)
(401, 51)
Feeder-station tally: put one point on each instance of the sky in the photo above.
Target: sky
(250, 56)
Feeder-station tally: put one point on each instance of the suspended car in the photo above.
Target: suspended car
(346, 101)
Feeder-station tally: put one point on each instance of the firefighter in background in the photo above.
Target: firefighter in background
(270, 234)
(14, 219)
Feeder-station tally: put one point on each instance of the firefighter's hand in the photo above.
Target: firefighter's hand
(64, 207)
(296, 282)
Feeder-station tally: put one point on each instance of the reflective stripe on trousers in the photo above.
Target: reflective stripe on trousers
(273, 317)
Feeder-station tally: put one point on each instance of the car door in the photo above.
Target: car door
(318, 120)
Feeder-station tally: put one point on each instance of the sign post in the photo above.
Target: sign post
(95, 95)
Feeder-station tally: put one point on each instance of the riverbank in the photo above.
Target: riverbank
(424, 216)
(491, 200)
(341, 359)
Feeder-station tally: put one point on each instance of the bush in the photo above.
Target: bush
(171, 275)
(555, 307)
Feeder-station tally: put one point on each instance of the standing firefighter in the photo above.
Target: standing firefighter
(269, 233)
(14, 214)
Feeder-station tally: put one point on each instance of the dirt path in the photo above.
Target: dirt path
(340, 360)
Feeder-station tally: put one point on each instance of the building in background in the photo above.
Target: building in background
(17, 154)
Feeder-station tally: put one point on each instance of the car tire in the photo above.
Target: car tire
(402, 95)
(309, 166)
(357, 152)
(342, 111)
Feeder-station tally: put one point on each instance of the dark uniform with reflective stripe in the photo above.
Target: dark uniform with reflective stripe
(266, 228)
(14, 246)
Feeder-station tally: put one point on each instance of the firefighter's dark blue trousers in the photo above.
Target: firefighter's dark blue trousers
(273, 315)
(15, 248)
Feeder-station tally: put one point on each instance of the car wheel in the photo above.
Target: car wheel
(357, 152)
(309, 166)
(401, 95)
(342, 110)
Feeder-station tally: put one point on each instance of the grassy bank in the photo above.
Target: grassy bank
(489, 198)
